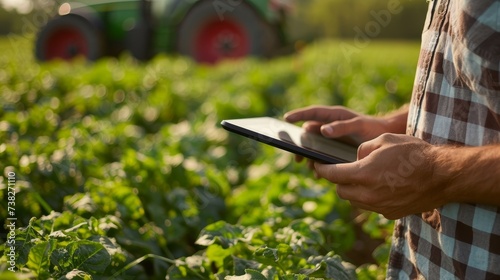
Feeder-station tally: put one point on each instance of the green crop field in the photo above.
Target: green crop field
(121, 169)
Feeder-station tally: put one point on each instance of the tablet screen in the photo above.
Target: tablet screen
(292, 138)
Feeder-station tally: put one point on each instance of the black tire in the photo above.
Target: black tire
(138, 41)
(139, 38)
(261, 38)
(67, 37)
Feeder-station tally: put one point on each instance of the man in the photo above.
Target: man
(442, 179)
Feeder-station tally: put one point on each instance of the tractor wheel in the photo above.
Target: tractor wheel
(209, 37)
(67, 37)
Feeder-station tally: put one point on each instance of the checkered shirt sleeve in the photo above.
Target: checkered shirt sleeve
(455, 101)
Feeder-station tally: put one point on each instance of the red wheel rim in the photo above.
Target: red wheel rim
(221, 39)
(66, 43)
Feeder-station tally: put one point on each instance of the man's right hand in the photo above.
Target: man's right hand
(340, 122)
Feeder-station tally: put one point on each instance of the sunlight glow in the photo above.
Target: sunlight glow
(22, 6)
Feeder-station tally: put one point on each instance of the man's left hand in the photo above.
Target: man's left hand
(394, 176)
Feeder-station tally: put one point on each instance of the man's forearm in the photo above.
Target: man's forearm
(470, 174)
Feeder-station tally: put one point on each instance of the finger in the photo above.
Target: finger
(319, 113)
(338, 129)
(312, 126)
(347, 173)
(366, 148)
(390, 213)
(356, 194)
(310, 164)
(341, 191)
(363, 206)
(316, 175)
(299, 158)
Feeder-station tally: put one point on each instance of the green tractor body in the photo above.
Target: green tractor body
(206, 30)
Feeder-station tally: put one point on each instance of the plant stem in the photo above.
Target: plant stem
(42, 202)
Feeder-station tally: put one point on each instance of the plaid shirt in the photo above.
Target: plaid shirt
(456, 100)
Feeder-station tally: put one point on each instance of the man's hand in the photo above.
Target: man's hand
(338, 121)
(394, 176)
(398, 175)
(346, 125)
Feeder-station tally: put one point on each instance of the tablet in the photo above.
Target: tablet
(292, 138)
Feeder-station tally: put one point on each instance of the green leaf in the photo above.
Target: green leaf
(335, 269)
(271, 256)
(331, 267)
(80, 203)
(284, 250)
(240, 265)
(9, 275)
(381, 253)
(217, 254)
(195, 263)
(268, 256)
(308, 228)
(128, 204)
(76, 274)
(66, 220)
(241, 277)
(188, 269)
(24, 241)
(88, 256)
(255, 274)
(116, 253)
(178, 273)
(369, 272)
(220, 233)
(296, 277)
(60, 259)
(38, 259)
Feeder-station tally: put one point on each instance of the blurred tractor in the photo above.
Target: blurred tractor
(206, 30)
